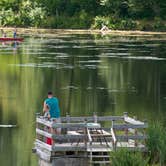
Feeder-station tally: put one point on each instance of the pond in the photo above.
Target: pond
(107, 74)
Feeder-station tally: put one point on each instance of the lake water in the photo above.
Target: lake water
(107, 74)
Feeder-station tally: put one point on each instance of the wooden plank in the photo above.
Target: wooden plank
(99, 156)
(93, 125)
(103, 132)
(134, 137)
(113, 136)
(43, 155)
(96, 149)
(69, 125)
(91, 118)
(44, 121)
(89, 136)
(126, 126)
(68, 147)
(109, 118)
(43, 144)
(44, 133)
(129, 144)
(68, 137)
(100, 162)
(77, 119)
(133, 121)
(38, 147)
(100, 135)
(76, 125)
(73, 133)
(142, 149)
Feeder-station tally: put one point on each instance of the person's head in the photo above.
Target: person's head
(50, 94)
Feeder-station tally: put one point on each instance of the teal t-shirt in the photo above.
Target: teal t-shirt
(53, 105)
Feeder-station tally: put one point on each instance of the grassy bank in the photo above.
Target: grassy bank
(51, 32)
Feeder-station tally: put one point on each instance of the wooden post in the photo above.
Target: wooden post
(95, 117)
(37, 124)
(136, 133)
(113, 143)
(144, 131)
(125, 114)
(85, 132)
(68, 121)
(67, 118)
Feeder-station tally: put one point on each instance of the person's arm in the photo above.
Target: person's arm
(45, 107)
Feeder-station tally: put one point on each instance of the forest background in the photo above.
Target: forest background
(146, 15)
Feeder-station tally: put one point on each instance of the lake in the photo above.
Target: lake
(107, 74)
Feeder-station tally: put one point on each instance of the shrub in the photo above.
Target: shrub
(124, 157)
(101, 20)
(6, 17)
(114, 23)
(156, 143)
(29, 14)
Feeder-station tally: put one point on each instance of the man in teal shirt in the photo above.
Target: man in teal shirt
(51, 104)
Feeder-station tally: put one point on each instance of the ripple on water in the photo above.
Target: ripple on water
(91, 61)
(143, 58)
(70, 87)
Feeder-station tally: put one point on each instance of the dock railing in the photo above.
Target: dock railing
(131, 133)
(76, 134)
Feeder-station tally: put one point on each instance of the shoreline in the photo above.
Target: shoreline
(80, 31)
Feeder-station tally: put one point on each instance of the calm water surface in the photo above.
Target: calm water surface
(88, 73)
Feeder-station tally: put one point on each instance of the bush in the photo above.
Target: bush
(79, 21)
(29, 14)
(84, 19)
(156, 143)
(159, 24)
(101, 20)
(124, 157)
(6, 17)
(114, 23)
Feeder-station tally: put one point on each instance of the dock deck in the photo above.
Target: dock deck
(88, 137)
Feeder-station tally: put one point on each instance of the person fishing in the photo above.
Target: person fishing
(51, 104)
(51, 108)
(15, 33)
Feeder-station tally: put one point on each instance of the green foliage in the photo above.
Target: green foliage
(78, 21)
(124, 157)
(6, 16)
(114, 23)
(118, 14)
(29, 14)
(156, 143)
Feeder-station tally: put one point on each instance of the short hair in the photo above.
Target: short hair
(49, 93)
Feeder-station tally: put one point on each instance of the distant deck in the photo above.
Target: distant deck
(88, 137)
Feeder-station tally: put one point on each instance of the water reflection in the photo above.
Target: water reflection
(88, 73)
